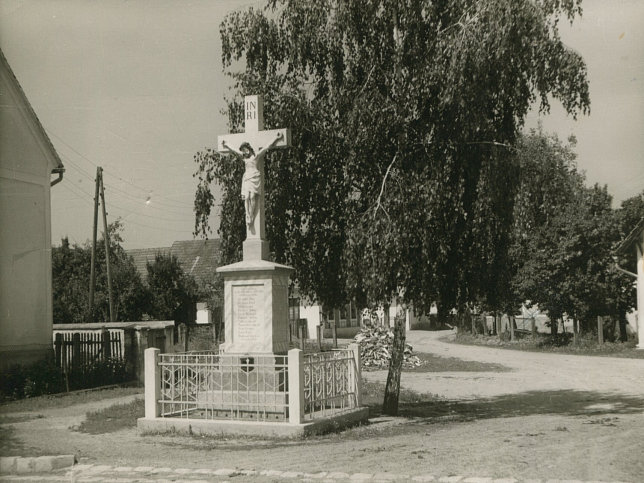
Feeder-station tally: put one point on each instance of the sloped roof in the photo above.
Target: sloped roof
(143, 256)
(31, 114)
(198, 258)
(631, 238)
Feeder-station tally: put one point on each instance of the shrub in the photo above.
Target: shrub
(44, 377)
(376, 343)
(36, 379)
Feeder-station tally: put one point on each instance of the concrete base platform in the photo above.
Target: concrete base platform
(217, 427)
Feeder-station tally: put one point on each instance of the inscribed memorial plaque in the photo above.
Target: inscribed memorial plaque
(248, 313)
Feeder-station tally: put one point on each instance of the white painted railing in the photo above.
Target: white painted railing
(293, 388)
(331, 382)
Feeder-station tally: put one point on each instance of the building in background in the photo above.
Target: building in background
(198, 258)
(27, 161)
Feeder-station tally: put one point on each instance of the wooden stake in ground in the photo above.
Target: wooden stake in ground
(392, 389)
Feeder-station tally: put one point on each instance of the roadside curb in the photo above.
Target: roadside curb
(39, 464)
(150, 474)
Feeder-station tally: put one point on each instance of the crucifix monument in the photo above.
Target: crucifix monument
(255, 289)
(250, 147)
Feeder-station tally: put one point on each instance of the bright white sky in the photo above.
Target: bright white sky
(137, 88)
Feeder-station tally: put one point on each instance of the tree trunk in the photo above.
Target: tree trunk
(554, 325)
(473, 322)
(610, 328)
(623, 337)
(511, 322)
(483, 321)
(386, 319)
(575, 331)
(392, 389)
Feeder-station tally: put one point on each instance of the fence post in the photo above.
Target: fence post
(320, 332)
(357, 373)
(129, 352)
(335, 334)
(600, 329)
(59, 350)
(295, 386)
(106, 343)
(76, 351)
(152, 383)
(300, 335)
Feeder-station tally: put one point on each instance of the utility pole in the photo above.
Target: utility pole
(92, 282)
(107, 250)
(92, 277)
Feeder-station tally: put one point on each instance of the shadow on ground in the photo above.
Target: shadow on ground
(566, 403)
(9, 444)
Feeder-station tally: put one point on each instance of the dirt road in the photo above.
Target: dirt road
(549, 417)
(530, 371)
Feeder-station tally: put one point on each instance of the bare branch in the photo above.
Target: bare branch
(493, 143)
(382, 188)
(366, 81)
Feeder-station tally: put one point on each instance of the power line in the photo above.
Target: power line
(172, 203)
(133, 210)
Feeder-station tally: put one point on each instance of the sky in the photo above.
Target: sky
(137, 88)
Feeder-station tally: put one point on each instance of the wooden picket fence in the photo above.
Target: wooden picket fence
(78, 351)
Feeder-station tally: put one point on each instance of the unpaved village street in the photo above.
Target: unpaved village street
(547, 417)
(531, 371)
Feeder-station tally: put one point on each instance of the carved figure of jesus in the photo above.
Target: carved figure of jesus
(250, 187)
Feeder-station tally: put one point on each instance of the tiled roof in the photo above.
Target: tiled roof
(198, 258)
(143, 256)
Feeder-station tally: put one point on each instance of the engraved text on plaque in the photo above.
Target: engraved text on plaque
(248, 313)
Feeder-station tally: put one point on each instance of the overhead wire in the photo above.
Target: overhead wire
(126, 211)
(170, 203)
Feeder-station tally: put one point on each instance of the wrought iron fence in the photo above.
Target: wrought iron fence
(221, 386)
(330, 383)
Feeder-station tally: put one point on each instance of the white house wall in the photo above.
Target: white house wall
(312, 315)
(26, 161)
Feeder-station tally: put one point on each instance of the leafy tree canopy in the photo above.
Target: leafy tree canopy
(400, 179)
(564, 237)
(71, 267)
(174, 293)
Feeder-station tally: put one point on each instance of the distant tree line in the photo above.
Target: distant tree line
(167, 294)
(564, 236)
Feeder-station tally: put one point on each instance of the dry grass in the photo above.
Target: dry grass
(64, 400)
(113, 418)
(560, 344)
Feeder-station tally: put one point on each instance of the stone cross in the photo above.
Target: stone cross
(255, 245)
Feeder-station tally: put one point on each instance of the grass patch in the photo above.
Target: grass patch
(434, 363)
(558, 344)
(64, 400)
(113, 418)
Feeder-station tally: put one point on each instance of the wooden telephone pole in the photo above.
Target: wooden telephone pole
(100, 189)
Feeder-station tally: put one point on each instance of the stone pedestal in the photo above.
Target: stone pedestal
(256, 307)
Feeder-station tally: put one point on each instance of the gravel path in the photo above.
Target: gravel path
(530, 371)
